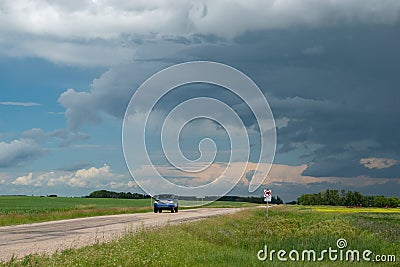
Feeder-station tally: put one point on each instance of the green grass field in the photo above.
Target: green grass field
(24, 209)
(19, 210)
(234, 240)
(27, 204)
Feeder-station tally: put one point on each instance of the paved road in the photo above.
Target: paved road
(49, 237)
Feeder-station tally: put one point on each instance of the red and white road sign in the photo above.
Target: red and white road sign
(267, 194)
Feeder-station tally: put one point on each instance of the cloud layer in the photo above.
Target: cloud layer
(334, 102)
(378, 163)
(18, 152)
(104, 33)
(24, 104)
(112, 19)
(89, 178)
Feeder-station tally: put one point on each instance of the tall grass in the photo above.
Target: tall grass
(234, 240)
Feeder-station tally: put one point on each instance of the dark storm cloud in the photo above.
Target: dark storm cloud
(338, 87)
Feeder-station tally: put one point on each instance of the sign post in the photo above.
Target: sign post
(151, 199)
(267, 198)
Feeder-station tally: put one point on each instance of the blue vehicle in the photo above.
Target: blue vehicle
(165, 202)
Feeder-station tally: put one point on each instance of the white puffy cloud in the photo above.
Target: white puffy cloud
(23, 180)
(86, 33)
(77, 104)
(93, 19)
(93, 177)
(378, 163)
(93, 172)
(90, 177)
(109, 94)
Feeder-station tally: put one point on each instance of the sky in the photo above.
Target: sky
(328, 69)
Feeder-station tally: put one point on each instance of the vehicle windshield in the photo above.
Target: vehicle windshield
(165, 197)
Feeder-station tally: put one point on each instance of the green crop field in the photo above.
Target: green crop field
(20, 209)
(235, 240)
(25, 204)
(24, 209)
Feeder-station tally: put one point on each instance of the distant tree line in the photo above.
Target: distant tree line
(110, 194)
(347, 198)
(260, 200)
(252, 199)
(129, 195)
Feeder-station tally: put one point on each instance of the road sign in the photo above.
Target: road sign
(267, 198)
(267, 192)
(267, 195)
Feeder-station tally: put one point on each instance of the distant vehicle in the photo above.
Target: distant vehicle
(165, 202)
